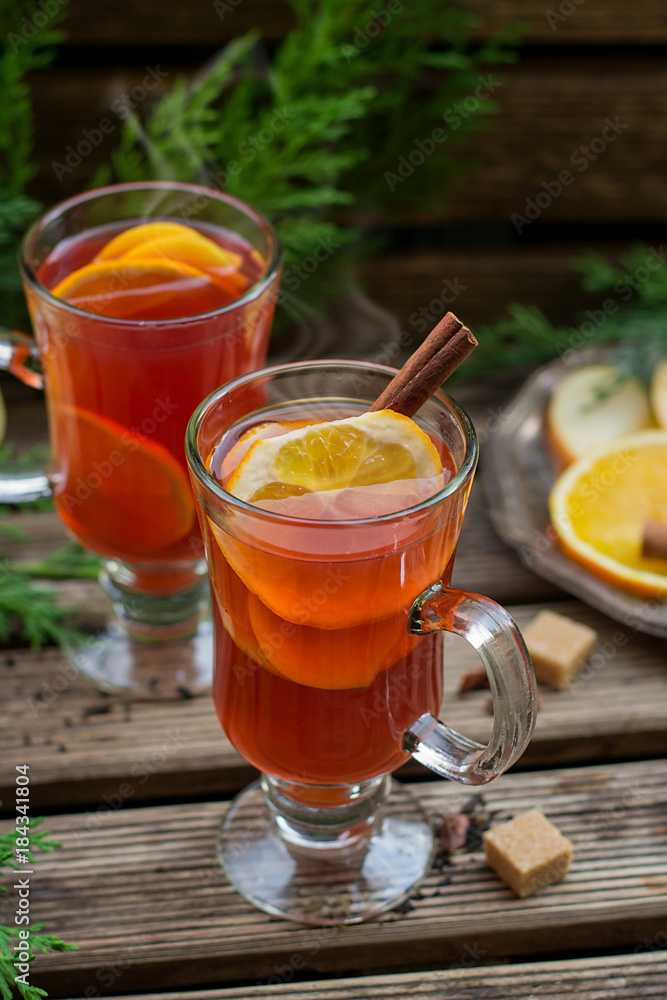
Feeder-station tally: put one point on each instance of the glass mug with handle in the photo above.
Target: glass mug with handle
(143, 297)
(329, 637)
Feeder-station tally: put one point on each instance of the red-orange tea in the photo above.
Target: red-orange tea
(124, 371)
(316, 675)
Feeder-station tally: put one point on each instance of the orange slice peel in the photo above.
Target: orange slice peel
(600, 504)
(156, 270)
(139, 499)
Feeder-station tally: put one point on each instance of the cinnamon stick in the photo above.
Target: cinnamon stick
(446, 346)
(654, 541)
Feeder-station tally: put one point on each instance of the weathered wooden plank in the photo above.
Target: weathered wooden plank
(149, 23)
(418, 287)
(614, 977)
(141, 892)
(550, 108)
(86, 749)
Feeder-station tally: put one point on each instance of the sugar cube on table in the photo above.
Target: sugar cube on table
(558, 647)
(529, 853)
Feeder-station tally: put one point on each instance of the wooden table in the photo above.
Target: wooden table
(136, 792)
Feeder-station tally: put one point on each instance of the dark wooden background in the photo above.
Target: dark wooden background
(604, 59)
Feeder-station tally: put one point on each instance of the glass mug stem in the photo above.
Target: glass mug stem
(492, 633)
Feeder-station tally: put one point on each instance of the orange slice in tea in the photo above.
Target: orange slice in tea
(366, 450)
(332, 660)
(157, 270)
(174, 241)
(197, 251)
(135, 236)
(268, 429)
(119, 492)
(346, 575)
(143, 289)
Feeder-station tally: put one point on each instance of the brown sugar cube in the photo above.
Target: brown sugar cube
(558, 647)
(528, 853)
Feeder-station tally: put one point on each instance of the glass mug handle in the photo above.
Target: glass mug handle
(19, 355)
(493, 633)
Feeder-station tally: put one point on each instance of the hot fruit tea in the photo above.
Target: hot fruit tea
(331, 519)
(316, 675)
(120, 393)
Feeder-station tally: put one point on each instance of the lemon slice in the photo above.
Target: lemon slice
(369, 449)
(599, 506)
(594, 404)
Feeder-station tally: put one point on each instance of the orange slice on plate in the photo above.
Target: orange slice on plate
(119, 492)
(600, 504)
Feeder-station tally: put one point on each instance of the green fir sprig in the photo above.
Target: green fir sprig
(33, 608)
(629, 316)
(72, 562)
(325, 120)
(40, 840)
(27, 43)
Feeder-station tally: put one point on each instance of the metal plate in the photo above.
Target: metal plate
(517, 472)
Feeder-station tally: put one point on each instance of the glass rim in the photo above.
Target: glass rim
(272, 268)
(200, 472)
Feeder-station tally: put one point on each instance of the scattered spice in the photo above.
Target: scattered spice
(461, 832)
(95, 710)
(453, 832)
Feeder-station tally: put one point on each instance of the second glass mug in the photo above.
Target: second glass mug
(329, 655)
(119, 396)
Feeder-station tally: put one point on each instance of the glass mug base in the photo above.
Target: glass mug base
(326, 866)
(151, 647)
